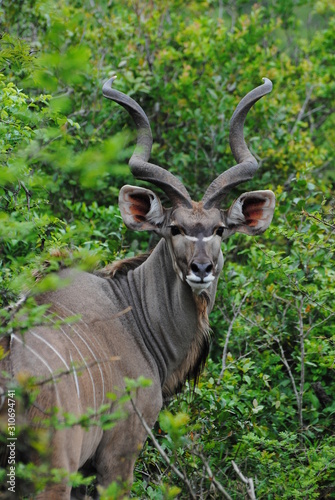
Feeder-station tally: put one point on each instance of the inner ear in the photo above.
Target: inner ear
(141, 209)
(251, 213)
(252, 209)
(139, 206)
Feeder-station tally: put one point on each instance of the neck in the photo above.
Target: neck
(172, 321)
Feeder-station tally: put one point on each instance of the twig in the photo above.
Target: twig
(325, 115)
(230, 328)
(319, 324)
(317, 219)
(4, 121)
(315, 110)
(14, 308)
(212, 477)
(28, 194)
(289, 371)
(246, 480)
(162, 452)
(104, 122)
(17, 305)
(302, 111)
(302, 360)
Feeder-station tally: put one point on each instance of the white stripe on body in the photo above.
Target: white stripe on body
(80, 354)
(75, 376)
(86, 365)
(42, 360)
(51, 347)
(88, 347)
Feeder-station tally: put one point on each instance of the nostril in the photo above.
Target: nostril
(195, 267)
(209, 268)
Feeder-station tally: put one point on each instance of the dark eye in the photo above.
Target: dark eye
(175, 230)
(219, 231)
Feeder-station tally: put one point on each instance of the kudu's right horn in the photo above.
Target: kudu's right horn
(138, 162)
(246, 162)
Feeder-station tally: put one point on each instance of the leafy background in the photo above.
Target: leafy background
(266, 399)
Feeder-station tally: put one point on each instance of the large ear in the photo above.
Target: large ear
(251, 213)
(140, 208)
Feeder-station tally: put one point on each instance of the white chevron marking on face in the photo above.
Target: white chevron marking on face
(208, 238)
(194, 238)
(191, 238)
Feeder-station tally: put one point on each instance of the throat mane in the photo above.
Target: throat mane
(195, 359)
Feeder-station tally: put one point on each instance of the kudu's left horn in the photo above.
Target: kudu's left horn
(246, 162)
(138, 162)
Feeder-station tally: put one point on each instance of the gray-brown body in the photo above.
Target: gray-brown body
(140, 318)
(148, 340)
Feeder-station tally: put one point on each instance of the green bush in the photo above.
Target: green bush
(266, 398)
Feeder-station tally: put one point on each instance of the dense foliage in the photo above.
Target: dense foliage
(266, 401)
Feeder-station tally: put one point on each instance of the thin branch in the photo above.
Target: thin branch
(302, 360)
(230, 329)
(241, 356)
(211, 476)
(319, 324)
(246, 480)
(315, 110)
(281, 299)
(4, 121)
(303, 108)
(162, 452)
(253, 323)
(28, 194)
(289, 371)
(104, 122)
(14, 308)
(324, 117)
(317, 219)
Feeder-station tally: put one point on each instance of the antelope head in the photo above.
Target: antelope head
(194, 230)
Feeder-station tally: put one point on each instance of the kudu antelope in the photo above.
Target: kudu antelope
(165, 298)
